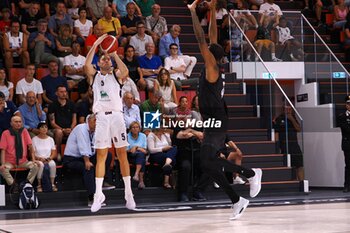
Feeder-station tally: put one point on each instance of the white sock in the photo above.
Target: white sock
(99, 182)
(273, 55)
(127, 185)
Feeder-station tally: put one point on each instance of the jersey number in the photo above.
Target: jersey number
(102, 83)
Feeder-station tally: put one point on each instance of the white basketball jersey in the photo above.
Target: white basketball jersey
(107, 93)
(15, 42)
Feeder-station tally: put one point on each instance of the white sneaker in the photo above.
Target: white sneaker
(216, 185)
(238, 208)
(98, 201)
(255, 182)
(276, 59)
(238, 180)
(130, 203)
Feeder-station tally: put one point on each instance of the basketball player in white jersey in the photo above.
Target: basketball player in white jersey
(107, 88)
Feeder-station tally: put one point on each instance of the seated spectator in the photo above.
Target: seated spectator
(263, 40)
(176, 66)
(182, 111)
(29, 83)
(30, 19)
(22, 6)
(95, 9)
(195, 114)
(15, 46)
(130, 86)
(73, 9)
(6, 87)
(131, 111)
(45, 153)
(41, 45)
(243, 14)
(286, 39)
(254, 4)
(63, 117)
(59, 19)
(162, 152)
(221, 11)
(7, 110)
(50, 83)
(64, 42)
(110, 24)
(132, 63)
(50, 7)
(166, 86)
(319, 6)
(32, 113)
(188, 158)
(73, 65)
(340, 12)
(173, 37)
(84, 106)
(82, 26)
(145, 6)
(5, 21)
(156, 25)
(137, 152)
(129, 21)
(150, 65)
(90, 40)
(152, 104)
(80, 155)
(140, 40)
(271, 11)
(14, 145)
(119, 8)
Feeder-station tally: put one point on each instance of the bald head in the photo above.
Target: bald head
(98, 30)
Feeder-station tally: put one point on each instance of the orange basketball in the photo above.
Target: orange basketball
(109, 44)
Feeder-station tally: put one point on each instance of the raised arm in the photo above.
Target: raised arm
(89, 69)
(123, 69)
(213, 28)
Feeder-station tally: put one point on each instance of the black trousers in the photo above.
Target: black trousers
(212, 164)
(347, 168)
(186, 161)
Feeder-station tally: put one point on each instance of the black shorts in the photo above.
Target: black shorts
(216, 139)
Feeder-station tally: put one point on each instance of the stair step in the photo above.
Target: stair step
(241, 110)
(257, 147)
(244, 123)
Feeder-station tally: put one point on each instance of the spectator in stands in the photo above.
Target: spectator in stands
(290, 43)
(182, 111)
(15, 145)
(221, 11)
(254, 4)
(50, 7)
(95, 9)
(64, 42)
(62, 116)
(195, 114)
(137, 152)
(59, 19)
(29, 83)
(9, 5)
(30, 19)
(156, 25)
(50, 83)
(32, 113)
(291, 127)
(162, 152)
(153, 104)
(22, 6)
(270, 10)
(263, 39)
(119, 8)
(80, 155)
(176, 66)
(320, 5)
(5, 21)
(131, 110)
(82, 26)
(166, 86)
(73, 9)
(7, 110)
(140, 40)
(42, 44)
(340, 12)
(173, 37)
(110, 24)
(188, 158)
(129, 22)
(6, 87)
(45, 153)
(150, 65)
(242, 13)
(90, 40)
(15, 46)
(132, 63)
(145, 6)
(73, 65)
(130, 86)
(84, 106)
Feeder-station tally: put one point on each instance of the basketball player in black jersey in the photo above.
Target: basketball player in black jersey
(212, 106)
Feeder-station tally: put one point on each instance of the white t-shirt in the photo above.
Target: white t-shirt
(43, 147)
(220, 13)
(283, 34)
(6, 90)
(75, 62)
(23, 87)
(271, 10)
(84, 28)
(130, 86)
(174, 62)
(140, 43)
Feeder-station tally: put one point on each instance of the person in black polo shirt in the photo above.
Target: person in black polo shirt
(62, 115)
(213, 107)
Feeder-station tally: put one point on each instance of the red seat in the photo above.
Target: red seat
(16, 74)
(42, 72)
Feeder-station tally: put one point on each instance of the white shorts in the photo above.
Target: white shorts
(110, 126)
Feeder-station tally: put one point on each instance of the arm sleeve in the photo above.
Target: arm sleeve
(151, 144)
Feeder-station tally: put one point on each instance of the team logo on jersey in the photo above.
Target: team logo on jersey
(151, 120)
(104, 95)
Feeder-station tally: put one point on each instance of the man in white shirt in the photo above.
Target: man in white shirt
(270, 9)
(140, 40)
(73, 65)
(29, 83)
(131, 110)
